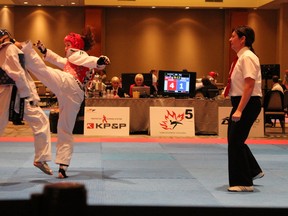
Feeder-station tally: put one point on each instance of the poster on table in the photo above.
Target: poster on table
(107, 121)
(172, 121)
(257, 129)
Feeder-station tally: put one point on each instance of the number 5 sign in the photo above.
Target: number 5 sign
(172, 121)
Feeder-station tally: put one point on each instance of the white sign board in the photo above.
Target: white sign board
(107, 121)
(257, 129)
(172, 121)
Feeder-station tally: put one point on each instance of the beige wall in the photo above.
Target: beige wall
(282, 36)
(265, 25)
(49, 24)
(137, 40)
(7, 19)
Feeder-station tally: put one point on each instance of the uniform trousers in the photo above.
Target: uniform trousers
(69, 96)
(242, 165)
(36, 119)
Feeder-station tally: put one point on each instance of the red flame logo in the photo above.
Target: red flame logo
(171, 120)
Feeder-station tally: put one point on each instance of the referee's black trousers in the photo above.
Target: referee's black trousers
(242, 165)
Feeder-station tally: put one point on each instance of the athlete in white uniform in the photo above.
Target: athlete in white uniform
(33, 114)
(66, 84)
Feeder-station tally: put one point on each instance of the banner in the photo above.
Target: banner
(172, 121)
(107, 121)
(257, 129)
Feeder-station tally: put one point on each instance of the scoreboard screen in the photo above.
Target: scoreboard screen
(177, 82)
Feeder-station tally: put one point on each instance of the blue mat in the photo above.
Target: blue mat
(149, 174)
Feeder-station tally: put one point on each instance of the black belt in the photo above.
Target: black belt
(235, 97)
(13, 116)
(79, 84)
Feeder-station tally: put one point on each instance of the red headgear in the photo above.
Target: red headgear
(75, 40)
(213, 74)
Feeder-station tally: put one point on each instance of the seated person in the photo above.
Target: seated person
(139, 81)
(276, 87)
(115, 88)
(207, 85)
(212, 76)
(276, 84)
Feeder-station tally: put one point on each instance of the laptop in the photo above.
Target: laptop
(144, 90)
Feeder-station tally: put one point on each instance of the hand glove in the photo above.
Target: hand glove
(12, 40)
(41, 47)
(103, 60)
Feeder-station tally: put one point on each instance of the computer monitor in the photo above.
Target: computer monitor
(270, 70)
(176, 84)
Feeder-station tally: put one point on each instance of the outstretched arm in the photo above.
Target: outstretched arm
(80, 57)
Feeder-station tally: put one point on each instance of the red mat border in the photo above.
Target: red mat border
(195, 140)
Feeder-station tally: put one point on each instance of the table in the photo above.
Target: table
(206, 111)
